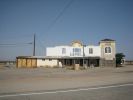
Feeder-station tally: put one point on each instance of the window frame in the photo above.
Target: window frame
(63, 50)
(50, 59)
(90, 50)
(77, 51)
(43, 59)
(108, 50)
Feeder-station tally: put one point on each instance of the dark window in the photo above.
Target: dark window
(90, 50)
(107, 49)
(50, 59)
(76, 51)
(63, 50)
(43, 59)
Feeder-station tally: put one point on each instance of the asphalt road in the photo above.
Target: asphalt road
(111, 92)
(61, 84)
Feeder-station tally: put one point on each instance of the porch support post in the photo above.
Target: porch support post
(57, 62)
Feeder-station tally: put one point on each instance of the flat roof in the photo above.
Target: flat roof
(58, 57)
(107, 40)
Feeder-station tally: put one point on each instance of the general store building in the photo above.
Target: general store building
(102, 55)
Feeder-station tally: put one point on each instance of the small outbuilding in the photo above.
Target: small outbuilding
(36, 61)
(26, 61)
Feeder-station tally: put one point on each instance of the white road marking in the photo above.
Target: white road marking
(63, 91)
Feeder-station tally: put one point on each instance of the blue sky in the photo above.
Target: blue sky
(85, 20)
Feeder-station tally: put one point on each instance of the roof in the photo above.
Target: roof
(107, 40)
(54, 57)
(30, 57)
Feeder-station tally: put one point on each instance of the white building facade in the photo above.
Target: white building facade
(102, 55)
(72, 51)
(84, 55)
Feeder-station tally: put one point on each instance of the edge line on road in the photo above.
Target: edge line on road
(64, 91)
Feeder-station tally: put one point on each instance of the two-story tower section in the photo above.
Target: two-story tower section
(108, 51)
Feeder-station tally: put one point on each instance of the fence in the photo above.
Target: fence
(7, 62)
(129, 62)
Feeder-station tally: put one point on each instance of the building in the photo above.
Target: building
(35, 61)
(75, 54)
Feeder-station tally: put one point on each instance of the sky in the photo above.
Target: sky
(59, 22)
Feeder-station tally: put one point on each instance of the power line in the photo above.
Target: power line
(59, 15)
(15, 44)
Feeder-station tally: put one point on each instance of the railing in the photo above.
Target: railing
(76, 54)
(128, 62)
(7, 62)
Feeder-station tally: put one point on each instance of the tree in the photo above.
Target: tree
(119, 58)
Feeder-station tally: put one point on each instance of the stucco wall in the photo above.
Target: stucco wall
(96, 51)
(108, 56)
(57, 51)
(47, 62)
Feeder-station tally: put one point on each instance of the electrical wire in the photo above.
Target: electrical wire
(15, 44)
(59, 15)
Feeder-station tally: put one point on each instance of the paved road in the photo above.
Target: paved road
(112, 92)
(22, 81)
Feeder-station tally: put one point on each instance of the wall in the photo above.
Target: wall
(96, 51)
(40, 62)
(26, 62)
(108, 56)
(108, 59)
(47, 62)
(57, 51)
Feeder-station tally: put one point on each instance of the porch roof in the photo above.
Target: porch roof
(59, 57)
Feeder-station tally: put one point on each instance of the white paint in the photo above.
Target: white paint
(40, 62)
(47, 62)
(96, 51)
(57, 51)
(65, 91)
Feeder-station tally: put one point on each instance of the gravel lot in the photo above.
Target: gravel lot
(13, 80)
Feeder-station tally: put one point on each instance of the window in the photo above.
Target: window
(90, 50)
(76, 51)
(50, 59)
(107, 49)
(43, 59)
(63, 50)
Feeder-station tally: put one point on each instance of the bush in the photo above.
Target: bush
(119, 57)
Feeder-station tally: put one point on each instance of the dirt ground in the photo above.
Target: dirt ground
(13, 80)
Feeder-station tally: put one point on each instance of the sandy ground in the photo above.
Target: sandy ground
(13, 80)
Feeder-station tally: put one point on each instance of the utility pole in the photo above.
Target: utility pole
(34, 45)
(83, 56)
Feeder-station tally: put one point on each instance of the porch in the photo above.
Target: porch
(88, 62)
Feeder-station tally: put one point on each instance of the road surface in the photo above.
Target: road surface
(62, 84)
(112, 92)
